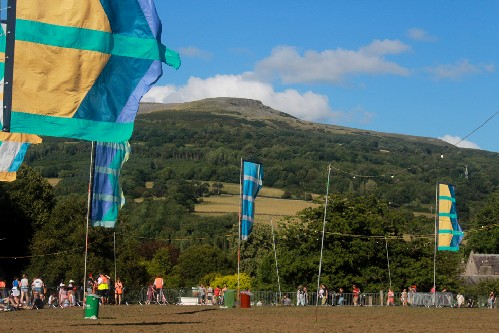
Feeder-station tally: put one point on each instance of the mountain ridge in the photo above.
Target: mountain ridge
(251, 109)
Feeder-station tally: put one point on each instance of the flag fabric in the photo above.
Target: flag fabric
(13, 147)
(450, 233)
(251, 185)
(107, 196)
(82, 66)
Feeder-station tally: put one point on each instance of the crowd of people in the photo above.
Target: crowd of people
(409, 296)
(22, 293)
(25, 294)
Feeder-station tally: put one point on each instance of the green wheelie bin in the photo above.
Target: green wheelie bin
(229, 298)
(92, 306)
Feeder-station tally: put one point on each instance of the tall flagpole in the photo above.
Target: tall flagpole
(435, 248)
(240, 217)
(388, 260)
(275, 256)
(115, 266)
(9, 63)
(89, 207)
(322, 244)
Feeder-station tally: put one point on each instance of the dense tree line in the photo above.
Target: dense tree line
(164, 237)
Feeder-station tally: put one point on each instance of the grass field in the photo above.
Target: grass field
(174, 318)
(266, 207)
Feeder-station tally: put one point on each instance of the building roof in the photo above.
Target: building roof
(481, 266)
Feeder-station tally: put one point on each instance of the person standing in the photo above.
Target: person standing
(356, 293)
(38, 288)
(118, 291)
(24, 285)
(404, 297)
(209, 293)
(391, 298)
(341, 297)
(103, 287)
(491, 301)
(459, 299)
(326, 295)
(321, 294)
(299, 296)
(158, 286)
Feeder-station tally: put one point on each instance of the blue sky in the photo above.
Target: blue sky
(425, 68)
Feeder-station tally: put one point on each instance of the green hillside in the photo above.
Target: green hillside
(181, 184)
(205, 140)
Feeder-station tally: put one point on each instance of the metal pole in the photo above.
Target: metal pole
(435, 248)
(10, 44)
(89, 207)
(322, 244)
(239, 238)
(275, 256)
(388, 260)
(115, 266)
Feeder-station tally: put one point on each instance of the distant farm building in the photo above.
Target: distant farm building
(481, 267)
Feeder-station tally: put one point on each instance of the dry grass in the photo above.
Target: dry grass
(174, 318)
(54, 181)
(265, 207)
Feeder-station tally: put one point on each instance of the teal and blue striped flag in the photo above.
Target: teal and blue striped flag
(251, 184)
(107, 196)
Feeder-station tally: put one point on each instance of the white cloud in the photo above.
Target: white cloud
(458, 69)
(307, 106)
(194, 52)
(455, 139)
(420, 35)
(331, 66)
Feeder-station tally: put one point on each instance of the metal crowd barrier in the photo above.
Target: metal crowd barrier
(138, 295)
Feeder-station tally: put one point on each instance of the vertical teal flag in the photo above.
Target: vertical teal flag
(107, 196)
(251, 185)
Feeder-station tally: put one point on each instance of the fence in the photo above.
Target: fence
(140, 295)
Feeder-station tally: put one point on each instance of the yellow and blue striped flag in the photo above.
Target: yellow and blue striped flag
(82, 66)
(450, 233)
(251, 185)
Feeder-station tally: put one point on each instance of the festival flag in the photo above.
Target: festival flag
(450, 233)
(251, 184)
(107, 196)
(81, 66)
(13, 147)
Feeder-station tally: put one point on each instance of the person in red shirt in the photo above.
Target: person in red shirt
(217, 292)
(356, 293)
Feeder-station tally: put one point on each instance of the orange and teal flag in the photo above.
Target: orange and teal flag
(450, 233)
(81, 66)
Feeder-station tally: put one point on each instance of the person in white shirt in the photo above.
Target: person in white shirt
(24, 285)
(37, 286)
